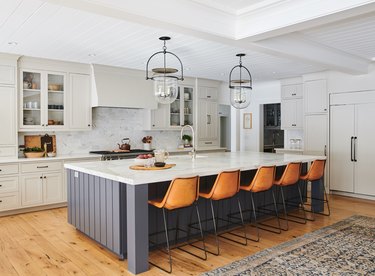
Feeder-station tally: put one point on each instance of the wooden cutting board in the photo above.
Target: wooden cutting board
(32, 141)
(142, 168)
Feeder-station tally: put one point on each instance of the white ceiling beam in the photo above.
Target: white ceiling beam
(296, 15)
(298, 47)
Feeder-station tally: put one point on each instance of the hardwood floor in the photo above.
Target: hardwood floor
(43, 243)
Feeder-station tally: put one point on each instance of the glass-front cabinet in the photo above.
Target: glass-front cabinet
(181, 110)
(42, 100)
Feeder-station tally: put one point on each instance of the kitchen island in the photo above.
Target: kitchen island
(108, 201)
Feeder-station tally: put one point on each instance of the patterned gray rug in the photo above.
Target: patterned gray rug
(344, 248)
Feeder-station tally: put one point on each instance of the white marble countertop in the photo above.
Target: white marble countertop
(203, 165)
(47, 159)
(180, 150)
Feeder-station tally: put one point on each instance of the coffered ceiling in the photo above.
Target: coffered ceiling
(122, 33)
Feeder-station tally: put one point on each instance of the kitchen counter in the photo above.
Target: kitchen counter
(286, 150)
(109, 202)
(199, 150)
(204, 164)
(45, 159)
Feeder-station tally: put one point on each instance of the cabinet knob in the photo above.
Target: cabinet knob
(153, 125)
(41, 177)
(45, 177)
(89, 125)
(325, 109)
(1, 185)
(1, 201)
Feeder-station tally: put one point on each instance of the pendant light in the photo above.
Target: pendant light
(165, 79)
(240, 88)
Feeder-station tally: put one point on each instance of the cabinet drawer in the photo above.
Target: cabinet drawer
(9, 201)
(8, 169)
(291, 91)
(208, 143)
(41, 167)
(6, 152)
(8, 184)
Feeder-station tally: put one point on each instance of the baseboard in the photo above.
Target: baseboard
(353, 195)
(32, 209)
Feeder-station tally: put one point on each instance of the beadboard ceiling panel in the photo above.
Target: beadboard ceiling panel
(51, 31)
(355, 36)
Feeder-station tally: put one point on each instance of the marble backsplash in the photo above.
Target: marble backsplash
(110, 126)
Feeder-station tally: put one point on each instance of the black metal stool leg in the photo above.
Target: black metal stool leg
(255, 218)
(215, 230)
(276, 211)
(285, 212)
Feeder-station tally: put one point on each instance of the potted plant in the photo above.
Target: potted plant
(187, 140)
(147, 142)
(34, 152)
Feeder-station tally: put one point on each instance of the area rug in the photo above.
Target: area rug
(344, 248)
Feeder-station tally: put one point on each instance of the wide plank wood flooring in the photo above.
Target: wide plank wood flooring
(43, 243)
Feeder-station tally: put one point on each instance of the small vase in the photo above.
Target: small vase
(147, 146)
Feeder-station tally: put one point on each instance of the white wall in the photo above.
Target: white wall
(262, 93)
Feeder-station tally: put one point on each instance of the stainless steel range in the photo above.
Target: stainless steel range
(115, 155)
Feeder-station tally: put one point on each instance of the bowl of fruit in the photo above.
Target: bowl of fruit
(144, 159)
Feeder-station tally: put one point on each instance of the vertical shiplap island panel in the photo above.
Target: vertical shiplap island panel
(94, 209)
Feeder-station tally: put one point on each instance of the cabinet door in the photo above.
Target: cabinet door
(291, 114)
(202, 120)
(212, 93)
(315, 134)
(56, 101)
(7, 74)
(160, 117)
(340, 165)
(32, 190)
(291, 91)
(188, 106)
(364, 149)
(52, 188)
(8, 116)
(32, 100)
(80, 102)
(212, 116)
(315, 96)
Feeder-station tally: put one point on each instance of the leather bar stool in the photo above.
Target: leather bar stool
(262, 182)
(290, 177)
(315, 173)
(226, 186)
(182, 193)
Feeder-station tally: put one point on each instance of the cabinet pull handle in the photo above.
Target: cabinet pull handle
(293, 94)
(208, 97)
(355, 149)
(42, 167)
(351, 148)
(294, 125)
(208, 119)
(325, 150)
(208, 143)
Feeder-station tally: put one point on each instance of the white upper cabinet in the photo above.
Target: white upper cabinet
(292, 114)
(315, 96)
(7, 75)
(208, 93)
(42, 101)
(291, 91)
(8, 116)
(79, 102)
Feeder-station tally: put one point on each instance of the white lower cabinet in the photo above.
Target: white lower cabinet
(9, 201)
(52, 188)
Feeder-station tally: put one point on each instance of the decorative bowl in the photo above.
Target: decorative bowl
(34, 154)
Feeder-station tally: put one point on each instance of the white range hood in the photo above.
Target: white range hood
(120, 87)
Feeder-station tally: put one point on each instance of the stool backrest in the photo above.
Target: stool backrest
(316, 170)
(226, 185)
(263, 179)
(291, 174)
(182, 192)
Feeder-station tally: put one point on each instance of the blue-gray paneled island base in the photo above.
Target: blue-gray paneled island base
(108, 201)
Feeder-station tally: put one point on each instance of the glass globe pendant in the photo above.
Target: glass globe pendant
(165, 80)
(240, 89)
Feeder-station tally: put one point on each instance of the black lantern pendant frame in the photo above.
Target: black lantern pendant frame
(240, 81)
(165, 70)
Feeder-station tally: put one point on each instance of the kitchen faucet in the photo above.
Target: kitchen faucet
(193, 151)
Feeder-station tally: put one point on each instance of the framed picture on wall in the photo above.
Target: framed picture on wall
(247, 120)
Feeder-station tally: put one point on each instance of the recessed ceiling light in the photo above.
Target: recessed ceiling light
(92, 55)
(187, 68)
(222, 74)
(373, 59)
(13, 43)
(273, 72)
